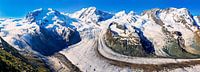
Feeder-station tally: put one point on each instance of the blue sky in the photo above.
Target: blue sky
(19, 8)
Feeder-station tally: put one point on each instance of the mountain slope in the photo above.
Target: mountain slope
(12, 60)
(43, 30)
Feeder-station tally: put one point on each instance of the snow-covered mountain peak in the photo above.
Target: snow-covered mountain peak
(91, 9)
(175, 15)
(123, 13)
(46, 16)
(120, 14)
(178, 10)
(42, 30)
(172, 15)
(151, 11)
(91, 15)
(167, 11)
(123, 17)
(181, 12)
(131, 13)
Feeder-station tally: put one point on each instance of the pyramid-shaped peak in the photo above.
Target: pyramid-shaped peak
(91, 8)
(91, 14)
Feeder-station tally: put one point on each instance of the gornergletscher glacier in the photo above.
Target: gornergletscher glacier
(92, 40)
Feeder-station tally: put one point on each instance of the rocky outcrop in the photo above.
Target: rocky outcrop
(131, 43)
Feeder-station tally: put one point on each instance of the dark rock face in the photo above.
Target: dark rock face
(132, 45)
(178, 33)
(123, 46)
(146, 44)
